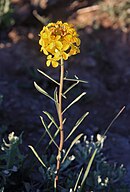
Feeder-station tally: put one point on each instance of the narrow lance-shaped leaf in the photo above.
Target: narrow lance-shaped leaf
(56, 133)
(47, 130)
(88, 169)
(48, 77)
(76, 77)
(43, 91)
(71, 87)
(72, 144)
(74, 101)
(118, 114)
(76, 184)
(51, 118)
(64, 96)
(56, 100)
(37, 156)
(52, 122)
(81, 81)
(76, 125)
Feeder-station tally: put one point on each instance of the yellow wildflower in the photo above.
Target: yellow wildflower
(51, 60)
(59, 40)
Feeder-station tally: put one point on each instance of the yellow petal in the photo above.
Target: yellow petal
(65, 46)
(78, 41)
(45, 51)
(51, 24)
(57, 55)
(58, 45)
(59, 22)
(65, 56)
(40, 41)
(53, 37)
(48, 63)
(52, 51)
(55, 64)
(51, 45)
(49, 57)
(74, 50)
(44, 35)
(68, 37)
(58, 37)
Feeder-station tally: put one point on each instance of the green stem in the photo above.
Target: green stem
(61, 125)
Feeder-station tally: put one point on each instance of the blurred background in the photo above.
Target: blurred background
(104, 61)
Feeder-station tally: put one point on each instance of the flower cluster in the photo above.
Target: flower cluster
(59, 40)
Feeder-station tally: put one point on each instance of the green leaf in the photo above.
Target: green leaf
(51, 118)
(53, 122)
(88, 169)
(76, 184)
(64, 120)
(37, 156)
(11, 152)
(64, 96)
(72, 144)
(56, 133)
(71, 87)
(47, 130)
(48, 77)
(74, 101)
(81, 81)
(118, 114)
(56, 100)
(43, 91)
(77, 124)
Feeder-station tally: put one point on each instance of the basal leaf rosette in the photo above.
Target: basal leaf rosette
(59, 41)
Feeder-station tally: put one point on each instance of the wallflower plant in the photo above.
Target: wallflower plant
(58, 42)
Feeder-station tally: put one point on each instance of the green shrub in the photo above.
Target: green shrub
(6, 14)
(10, 159)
